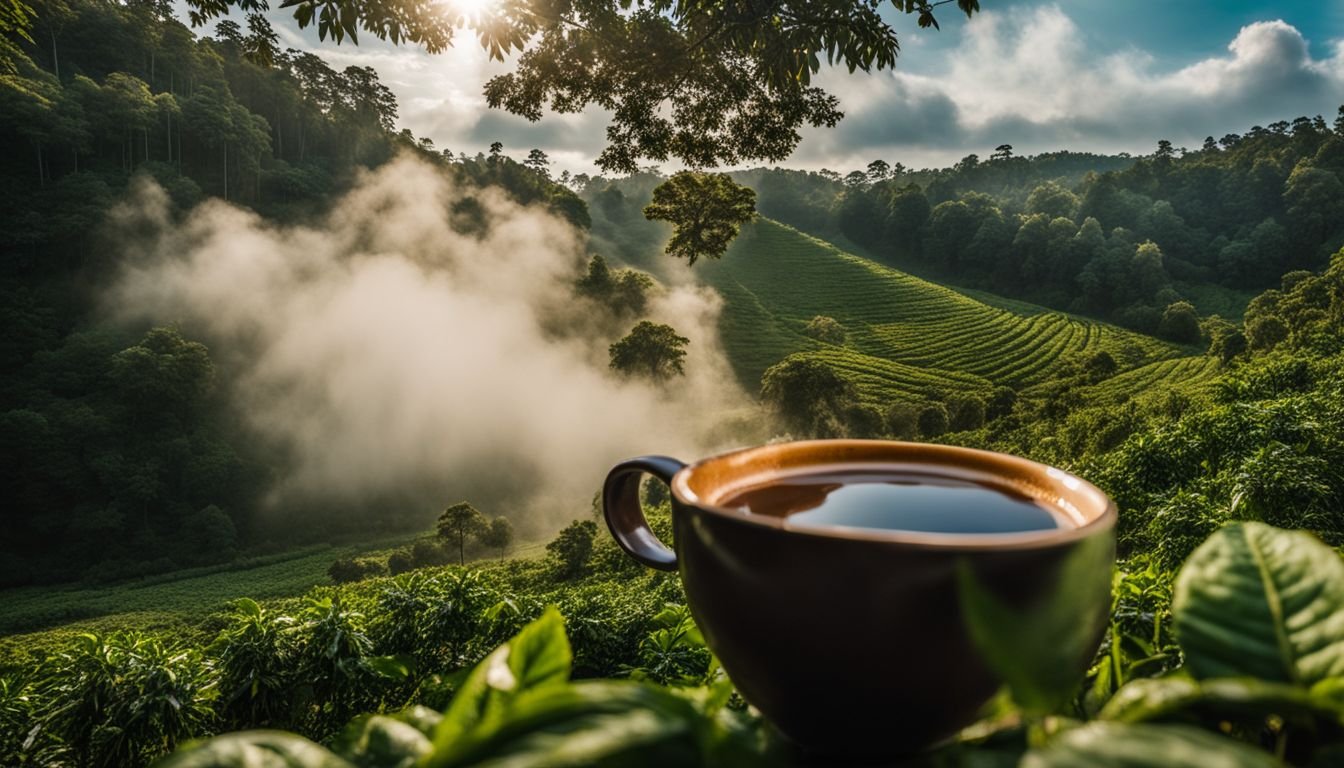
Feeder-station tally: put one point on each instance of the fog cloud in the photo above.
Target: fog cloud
(385, 351)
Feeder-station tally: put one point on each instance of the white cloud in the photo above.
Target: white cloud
(1031, 80)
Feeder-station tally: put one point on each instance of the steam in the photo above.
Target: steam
(392, 356)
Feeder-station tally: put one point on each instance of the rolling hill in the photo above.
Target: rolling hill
(905, 335)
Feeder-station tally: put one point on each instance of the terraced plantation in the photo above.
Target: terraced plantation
(904, 334)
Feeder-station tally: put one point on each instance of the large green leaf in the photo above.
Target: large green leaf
(539, 656)
(1165, 698)
(1257, 601)
(254, 749)
(1117, 745)
(595, 722)
(378, 741)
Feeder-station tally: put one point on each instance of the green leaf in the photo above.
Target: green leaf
(539, 655)
(1116, 745)
(254, 749)
(378, 741)
(390, 667)
(1257, 601)
(1165, 698)
(1008, 633)
(582, 724)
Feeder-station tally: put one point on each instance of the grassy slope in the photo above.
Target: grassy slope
(905, 334)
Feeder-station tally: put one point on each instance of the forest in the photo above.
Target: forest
(1138, 241)
(1169, 326)
(122, 452)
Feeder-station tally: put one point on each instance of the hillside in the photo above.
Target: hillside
(904, 334)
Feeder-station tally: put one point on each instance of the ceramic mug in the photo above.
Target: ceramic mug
(875, 642)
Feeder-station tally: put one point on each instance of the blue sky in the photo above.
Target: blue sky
(1087, 75)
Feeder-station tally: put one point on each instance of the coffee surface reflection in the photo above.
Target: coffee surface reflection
(903, 501)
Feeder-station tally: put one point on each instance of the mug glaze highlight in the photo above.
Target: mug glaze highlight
(876, 642)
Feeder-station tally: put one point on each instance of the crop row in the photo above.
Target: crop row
(880, 381)
(1183, 372)
(909, 333)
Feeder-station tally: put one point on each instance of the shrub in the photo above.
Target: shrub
(903, 421)
(965, 413)
(349, 569)
(933, 420)
(429, 553)
(823, 328)
(400, 562)
(863, 421)
(1001, 402)
(570, 549)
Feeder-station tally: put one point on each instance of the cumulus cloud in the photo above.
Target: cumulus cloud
(390, 355)
(1030, 79)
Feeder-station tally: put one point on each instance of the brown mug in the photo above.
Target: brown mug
(857, 641)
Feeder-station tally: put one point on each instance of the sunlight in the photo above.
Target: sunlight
(471, 8)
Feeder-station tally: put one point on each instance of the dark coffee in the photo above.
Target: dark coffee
(865, 498)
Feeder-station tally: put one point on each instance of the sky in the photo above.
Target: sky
(1084, 75)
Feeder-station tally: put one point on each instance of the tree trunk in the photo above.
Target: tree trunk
(226, 170)
(41, 180)
(55, 60)
(168, 121)
(146, 144)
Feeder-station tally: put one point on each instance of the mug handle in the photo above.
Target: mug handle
(625, 516)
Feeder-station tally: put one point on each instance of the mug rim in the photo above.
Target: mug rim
(933, 455)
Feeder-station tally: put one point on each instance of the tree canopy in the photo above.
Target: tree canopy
(651, 350)
(706, 82)
(706, 210)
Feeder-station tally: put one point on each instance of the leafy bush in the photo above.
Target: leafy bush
(570, 549)
(823, 328)
(348, 569)
(1256, 620)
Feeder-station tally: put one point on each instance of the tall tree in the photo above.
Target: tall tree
(706, 211)
(460, 522)
(651, 350)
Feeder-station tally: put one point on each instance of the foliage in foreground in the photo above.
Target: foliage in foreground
(1240, 662)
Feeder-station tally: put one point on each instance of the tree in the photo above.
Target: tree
(1180, 323)
(498, 535)
(1052, 200)
(460, 522)
(165, 374)
(879, 170)
(262, 45)
(1002, 152)
(706, 211)
(708, 83)
(652, 350)
(572, 546)
(809, 396)
(539, 163)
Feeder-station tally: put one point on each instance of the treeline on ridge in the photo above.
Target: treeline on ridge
(1120, 238)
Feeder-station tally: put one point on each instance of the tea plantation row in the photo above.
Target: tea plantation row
(903, 335)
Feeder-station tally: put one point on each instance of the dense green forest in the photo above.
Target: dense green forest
(123, 457)
(1137, 241)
